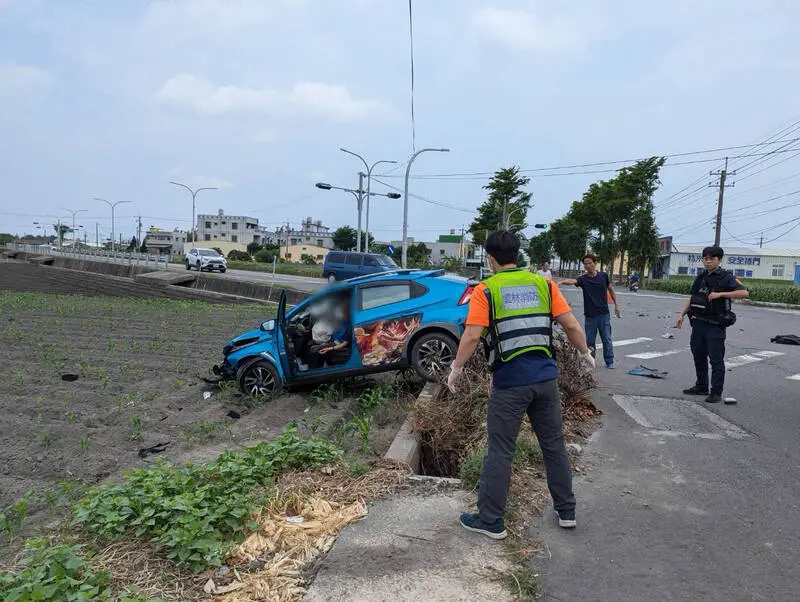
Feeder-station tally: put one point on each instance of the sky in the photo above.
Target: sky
(255, 97)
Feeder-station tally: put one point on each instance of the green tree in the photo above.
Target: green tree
(264, 256)
(253, 248)
(6, 238)
(237, 255)
(507, 197)
(307, 259)
(133, 244)
(60, 230)
(540, 247)
(143, 248)
(344, 238)
(419, 256)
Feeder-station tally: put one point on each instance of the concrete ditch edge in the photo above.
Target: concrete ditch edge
(406, 447)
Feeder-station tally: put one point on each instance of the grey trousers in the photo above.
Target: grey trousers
(504, 416)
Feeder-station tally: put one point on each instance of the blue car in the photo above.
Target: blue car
(391, 321)
(343, 265)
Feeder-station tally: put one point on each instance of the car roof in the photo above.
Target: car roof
(355, 253)
(204, 249)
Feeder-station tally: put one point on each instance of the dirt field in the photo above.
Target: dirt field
(139, 365)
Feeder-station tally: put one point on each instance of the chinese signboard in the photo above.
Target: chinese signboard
(731, 260)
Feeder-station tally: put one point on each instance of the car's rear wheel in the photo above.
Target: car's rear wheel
(199, 268)
(259, 380)
(432, 355)
(188, 267)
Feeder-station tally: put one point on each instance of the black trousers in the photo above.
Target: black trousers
(708, 345)
(318, 360)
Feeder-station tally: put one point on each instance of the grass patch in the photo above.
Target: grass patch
(196, 513)
(770, 291)
(470, 470)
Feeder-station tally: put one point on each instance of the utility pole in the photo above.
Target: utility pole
(360, 201)
(761, 242)
(97, 234)
(139, 233)
(723, 175)
(287, 237)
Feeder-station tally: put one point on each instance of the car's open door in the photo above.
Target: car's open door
(283, 343)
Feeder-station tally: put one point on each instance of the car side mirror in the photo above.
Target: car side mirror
(268, 325)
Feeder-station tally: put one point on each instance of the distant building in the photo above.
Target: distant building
(310, 233)
(165, 242)
(744, 262)
(447, 246)
(238, 230)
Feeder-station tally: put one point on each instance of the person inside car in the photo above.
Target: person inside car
(337, 349)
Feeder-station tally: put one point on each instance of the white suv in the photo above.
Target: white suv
(205, 259)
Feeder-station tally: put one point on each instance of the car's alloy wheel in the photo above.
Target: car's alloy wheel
(259, 380)
(432, 355)
(331, 278)
(199, 268)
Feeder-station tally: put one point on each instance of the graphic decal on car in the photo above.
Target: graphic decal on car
(382, 342)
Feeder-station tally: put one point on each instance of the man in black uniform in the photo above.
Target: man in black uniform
(709, 310)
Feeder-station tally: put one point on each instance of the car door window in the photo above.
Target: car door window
(353, 260)
(378, 296)
(370, 261)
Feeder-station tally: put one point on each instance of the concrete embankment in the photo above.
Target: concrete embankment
(47, 273)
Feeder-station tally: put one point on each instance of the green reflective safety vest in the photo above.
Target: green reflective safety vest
(520, 316)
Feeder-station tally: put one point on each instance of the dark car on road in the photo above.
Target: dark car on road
(342, 265)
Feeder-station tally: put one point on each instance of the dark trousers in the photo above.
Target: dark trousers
(504, 417)
(317, 359)
(708, 344)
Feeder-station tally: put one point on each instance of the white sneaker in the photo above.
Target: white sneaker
(301, 367)
(566, 520)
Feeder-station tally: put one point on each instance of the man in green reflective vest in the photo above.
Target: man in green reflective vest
(512, 312)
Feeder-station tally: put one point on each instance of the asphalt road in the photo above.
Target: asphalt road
(684, 500)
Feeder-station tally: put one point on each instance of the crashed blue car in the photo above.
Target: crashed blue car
(391, 321)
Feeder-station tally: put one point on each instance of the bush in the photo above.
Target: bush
(54, 572)
(307, 259)
(253, 248)
(264, 256)
(197, 512)
(470, 470)
(759, 290)
(236, 255)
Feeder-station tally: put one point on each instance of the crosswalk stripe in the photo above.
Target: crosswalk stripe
(624, 342)
(649, 355)
(793, 377)
(750, 358)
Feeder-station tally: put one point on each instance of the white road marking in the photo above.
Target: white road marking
(624, 342)
(793, 377)
(750, 358)
(649, 355)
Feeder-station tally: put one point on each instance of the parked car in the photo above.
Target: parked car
(342, 265)
(409, 318)
(205, 259)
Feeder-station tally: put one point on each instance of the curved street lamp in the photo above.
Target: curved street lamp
(369, 181)
(113, 206)
(405, 197)
(74, 213)
(194, 197)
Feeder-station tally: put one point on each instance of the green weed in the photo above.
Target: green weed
(202, 430)
(372, 400)
(528, 451)
(18, 378)
(470, 470)
(12, 518)
(72, 416)
(136, 427)
(328, 393)
(362, 425)
(84, 443)
(46, 439)
(197, 512)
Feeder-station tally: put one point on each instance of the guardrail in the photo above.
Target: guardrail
(158, 261)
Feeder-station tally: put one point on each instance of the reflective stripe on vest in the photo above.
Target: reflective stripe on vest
(520, 315)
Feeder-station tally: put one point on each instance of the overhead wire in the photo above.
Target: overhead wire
(425, 199)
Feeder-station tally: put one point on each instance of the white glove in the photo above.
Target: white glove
(588, 359)
(455, 373)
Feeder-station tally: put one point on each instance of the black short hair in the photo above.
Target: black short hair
(591, 256)
(503, 246)
(713, 252)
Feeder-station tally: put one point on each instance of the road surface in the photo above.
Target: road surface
(684, 500)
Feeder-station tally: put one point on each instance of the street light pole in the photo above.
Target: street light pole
(194, 197)
(405, 197)
(74, 213)
(113, 206)
(359, 196)
(369, 181)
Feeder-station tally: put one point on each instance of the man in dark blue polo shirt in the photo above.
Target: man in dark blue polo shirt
(596, 288)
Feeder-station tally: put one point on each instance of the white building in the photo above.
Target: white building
(311, 233)
(744, 262)
(165, 241)
(220, 228)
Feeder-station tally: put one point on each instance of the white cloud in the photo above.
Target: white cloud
(325, 100)
(18, 80)
(194, 180)
(526, 31)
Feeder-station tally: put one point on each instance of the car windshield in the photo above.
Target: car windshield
(387, 261)
(209, 253)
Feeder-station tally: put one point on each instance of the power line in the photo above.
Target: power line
(427, 200)
(601, 163)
